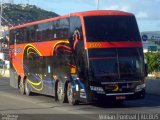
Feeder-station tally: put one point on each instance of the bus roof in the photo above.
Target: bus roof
(102, 12)
(83, 14)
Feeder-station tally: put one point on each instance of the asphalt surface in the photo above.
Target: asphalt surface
(17, 106)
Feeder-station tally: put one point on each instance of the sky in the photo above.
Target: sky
(146, 11)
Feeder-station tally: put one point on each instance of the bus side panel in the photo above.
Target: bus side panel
(13, 77)
(16, 65)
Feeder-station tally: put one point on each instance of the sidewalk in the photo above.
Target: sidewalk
(4, 72)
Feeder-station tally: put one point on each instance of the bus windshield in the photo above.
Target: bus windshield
(111, 28)
(121, 63)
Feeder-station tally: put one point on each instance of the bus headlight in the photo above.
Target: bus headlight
(140, 87)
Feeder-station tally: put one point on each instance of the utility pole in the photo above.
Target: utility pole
(28, 2)
(11, 1)
(1, 12)
(97, 4)
(0, 25)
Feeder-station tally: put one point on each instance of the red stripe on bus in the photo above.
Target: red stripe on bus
(90, 45)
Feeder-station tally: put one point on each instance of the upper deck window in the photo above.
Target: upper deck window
(111, 28)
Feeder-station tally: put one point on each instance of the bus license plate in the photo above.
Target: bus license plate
(120, 97)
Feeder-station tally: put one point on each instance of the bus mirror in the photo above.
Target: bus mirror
(73, 70)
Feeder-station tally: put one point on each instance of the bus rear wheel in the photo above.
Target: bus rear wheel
(61, 96)
(27, 89)
(70, 95)
(21, 87)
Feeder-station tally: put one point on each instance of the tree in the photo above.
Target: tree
(153, 61)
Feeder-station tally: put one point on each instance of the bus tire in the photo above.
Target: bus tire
(21, 87)
(27, 89)
(60, 93)
(70, 97)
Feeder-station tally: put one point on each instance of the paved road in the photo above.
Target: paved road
(13, 103)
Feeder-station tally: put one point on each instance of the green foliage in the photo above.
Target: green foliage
(20, 14)
(153, 61)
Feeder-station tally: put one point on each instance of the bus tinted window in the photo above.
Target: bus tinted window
(111, 28)
(54, 30)
(98, 53)
(75, 25)
(31, 31)
(44, 31)
(64, 23)
(20, 36)
(131, 52)
(11, 37)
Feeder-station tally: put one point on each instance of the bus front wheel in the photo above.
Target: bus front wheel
(70, 95)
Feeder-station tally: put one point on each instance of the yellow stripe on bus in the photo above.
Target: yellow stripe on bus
(32, 47)
(66, 41)
(33, 84)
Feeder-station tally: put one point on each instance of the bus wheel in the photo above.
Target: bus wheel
(70, 97)
(21, 87)
(60, 92)
(27, 89)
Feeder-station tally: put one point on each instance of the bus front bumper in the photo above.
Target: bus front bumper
(118, 96)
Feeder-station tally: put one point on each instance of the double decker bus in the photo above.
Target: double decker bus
(81, 57)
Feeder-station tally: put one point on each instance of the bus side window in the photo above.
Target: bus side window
(24, 35)
(27, 34)
(53, 30)
(31, 34)
(44, 31)
(12, 36)
(38, 34)
(75, 28)
(64, 28)
(18, 37)
(57, 29)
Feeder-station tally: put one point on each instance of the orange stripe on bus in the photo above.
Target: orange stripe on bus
(90, 45)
